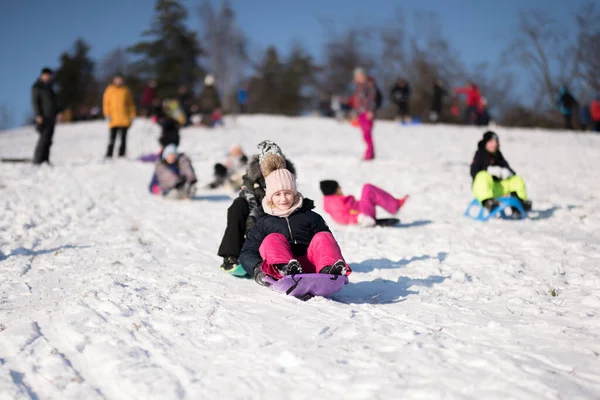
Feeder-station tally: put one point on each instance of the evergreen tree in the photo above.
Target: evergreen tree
(75, 78)
(171, 53)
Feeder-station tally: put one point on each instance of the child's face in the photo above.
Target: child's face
(283, 200)
(492, 146)
(171, 158)
(339, 191)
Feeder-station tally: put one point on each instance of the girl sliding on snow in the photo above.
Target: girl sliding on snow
(289, 238)
(174, 176)
(346, 210)
(493, 177)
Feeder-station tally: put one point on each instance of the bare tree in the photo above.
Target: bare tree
(550, 52)
(226, 47)
(6, 119)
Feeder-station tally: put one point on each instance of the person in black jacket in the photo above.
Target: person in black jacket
(493, 177)
(400, 95)
(46, 109)
(244, 211)
(289, 238)
(437, 101)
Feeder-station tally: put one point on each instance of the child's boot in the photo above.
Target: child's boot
(338, 268)
(293, 267)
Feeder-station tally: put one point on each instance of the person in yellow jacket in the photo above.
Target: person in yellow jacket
(119, 109)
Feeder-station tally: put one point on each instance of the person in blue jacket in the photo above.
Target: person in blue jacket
(242, 100)
(566, 103)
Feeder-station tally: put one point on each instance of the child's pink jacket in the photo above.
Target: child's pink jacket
(343, 209)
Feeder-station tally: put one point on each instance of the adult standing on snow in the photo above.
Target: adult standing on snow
(595, 113)
(400, 96)
(473, 101)
(209, 100)
(437, 101)
(46, 109)
(119, 108)
(365, 104)
(566, 103)
(149, 97)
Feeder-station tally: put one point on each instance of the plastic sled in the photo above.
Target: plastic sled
(413, 121)
(151, 157)
(387, 222)
(306, 286)
(484, 215)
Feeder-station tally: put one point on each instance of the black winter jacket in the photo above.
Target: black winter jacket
(44, 100)
(170, 132)
(299, 229)
(483, 159)
(253, 187)
(400, 94)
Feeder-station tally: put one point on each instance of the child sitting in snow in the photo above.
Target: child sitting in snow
(289, 238)
(346, 210)
(493, 177)
(232, 170)
(174, 175)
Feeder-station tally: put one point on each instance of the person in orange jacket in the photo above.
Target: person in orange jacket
(119, 109)
(595, 113)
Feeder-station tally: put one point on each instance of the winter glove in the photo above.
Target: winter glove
(506, 173)
(259, 275)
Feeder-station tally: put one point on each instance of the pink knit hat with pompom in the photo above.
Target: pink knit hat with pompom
(280, 179)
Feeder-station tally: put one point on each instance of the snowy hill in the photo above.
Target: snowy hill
(109, 293)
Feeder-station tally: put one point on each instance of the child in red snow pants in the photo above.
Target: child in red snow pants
(323, 251)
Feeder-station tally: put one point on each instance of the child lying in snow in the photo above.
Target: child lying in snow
(346, 210)
(231, 171)
(289, 238)
(493, 177)
(174, 175)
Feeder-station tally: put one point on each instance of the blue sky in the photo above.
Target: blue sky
(35, 32)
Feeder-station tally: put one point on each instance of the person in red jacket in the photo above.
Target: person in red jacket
(473, 101)
(148, 97)
(365, 105)
(595, 113)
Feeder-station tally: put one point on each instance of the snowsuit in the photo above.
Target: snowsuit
(245, 210)
(595, 114)
(488, 186)
(118, 107)
(45, 105)
(364, 102)
(473, 102)
(566, 103)
(345, 209)
(179, 176)
(303, 236)
(400, 96)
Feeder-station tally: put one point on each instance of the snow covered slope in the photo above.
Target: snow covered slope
(109, 293)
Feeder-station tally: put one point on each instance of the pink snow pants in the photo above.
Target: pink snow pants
(322, 251)
(373, 196)
(366, 125)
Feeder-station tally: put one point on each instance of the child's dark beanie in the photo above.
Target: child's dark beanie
(329, 187)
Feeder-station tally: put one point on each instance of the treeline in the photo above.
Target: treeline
(548, 53)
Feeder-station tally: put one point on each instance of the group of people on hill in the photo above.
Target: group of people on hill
(589, 113)
(273, 231)
(271, 228)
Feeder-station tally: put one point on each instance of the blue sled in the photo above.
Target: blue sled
(484, 215)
